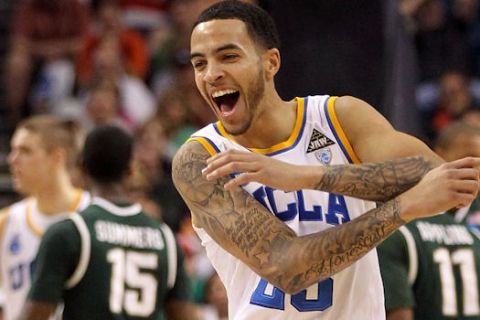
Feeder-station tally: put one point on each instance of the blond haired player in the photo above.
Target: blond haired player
(44, 151)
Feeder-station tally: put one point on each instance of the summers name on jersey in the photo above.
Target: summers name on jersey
(138, 255)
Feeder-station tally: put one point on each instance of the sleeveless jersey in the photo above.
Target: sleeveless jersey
(432, 265)
(127, 265)
(22, 233)
(354, 293)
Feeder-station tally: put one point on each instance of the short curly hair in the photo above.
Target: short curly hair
(260, 25)
(107, 154)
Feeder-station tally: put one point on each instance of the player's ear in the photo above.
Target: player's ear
(59, 156)
(271, 62)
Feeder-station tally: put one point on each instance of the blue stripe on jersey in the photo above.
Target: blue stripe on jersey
(332, 127)
(214, 146)
(216, 129)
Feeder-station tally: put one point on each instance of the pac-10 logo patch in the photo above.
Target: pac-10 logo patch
(324, 156)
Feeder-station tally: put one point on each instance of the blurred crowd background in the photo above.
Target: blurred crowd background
(127, 62)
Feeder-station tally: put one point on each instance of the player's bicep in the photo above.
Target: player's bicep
(234, 219)
(373, 138)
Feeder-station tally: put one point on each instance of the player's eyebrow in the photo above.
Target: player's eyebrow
(228, 46)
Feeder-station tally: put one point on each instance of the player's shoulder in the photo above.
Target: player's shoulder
(13, 210)
(64, 226)
(60, 233)
(188, 157)
(85, 200)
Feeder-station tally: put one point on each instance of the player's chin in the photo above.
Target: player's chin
(19, 186)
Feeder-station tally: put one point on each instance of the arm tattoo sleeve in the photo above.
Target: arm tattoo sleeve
(243, 227)
(375, 181)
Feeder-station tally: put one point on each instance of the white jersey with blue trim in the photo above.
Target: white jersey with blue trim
(354, 293)
(21, 237)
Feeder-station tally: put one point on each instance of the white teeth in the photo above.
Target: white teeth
(220, 93)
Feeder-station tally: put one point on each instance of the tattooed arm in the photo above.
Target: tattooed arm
(243, 227)
(370, 181)
(392, 161)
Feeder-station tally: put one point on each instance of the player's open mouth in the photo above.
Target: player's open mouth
(226, 99)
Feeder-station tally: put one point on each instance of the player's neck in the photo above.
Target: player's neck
(113, 192)
(58, 197)
(273, 124)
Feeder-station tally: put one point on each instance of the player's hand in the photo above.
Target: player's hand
(250, 166)
(452, 184)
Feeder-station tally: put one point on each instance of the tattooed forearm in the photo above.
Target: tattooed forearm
(319, 256)
(232, 217)
(375, 181)
(247, 230)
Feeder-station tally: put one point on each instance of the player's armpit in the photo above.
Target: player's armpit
(400, 314)
(34, 310)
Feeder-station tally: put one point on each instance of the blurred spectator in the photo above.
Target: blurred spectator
(138, 187)
(472, 117)
(131, 45)
(446, 100)
(184, 13)
(197, 264)
(150, 145)
(174, 112)
(201, 114)
(137, 101)
(145, 15)
(46, 36)
(170, 46)
(443, 36)
(103, 106)
(455, 98)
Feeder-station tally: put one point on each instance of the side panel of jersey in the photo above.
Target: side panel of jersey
(19, 248)
(447, 283)
(127, 272)
(357, 291)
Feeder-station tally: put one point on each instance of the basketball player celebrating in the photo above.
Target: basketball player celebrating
(286, 251)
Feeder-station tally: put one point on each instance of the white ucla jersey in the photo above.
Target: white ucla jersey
(354, 293)
(21, 237)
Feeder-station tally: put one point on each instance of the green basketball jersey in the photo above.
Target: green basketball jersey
(110, 262)
(432, 265)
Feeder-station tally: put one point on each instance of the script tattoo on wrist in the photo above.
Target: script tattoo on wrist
(341, 246)
(375, 181)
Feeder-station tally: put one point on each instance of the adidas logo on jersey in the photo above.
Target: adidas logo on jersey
(318, 141)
